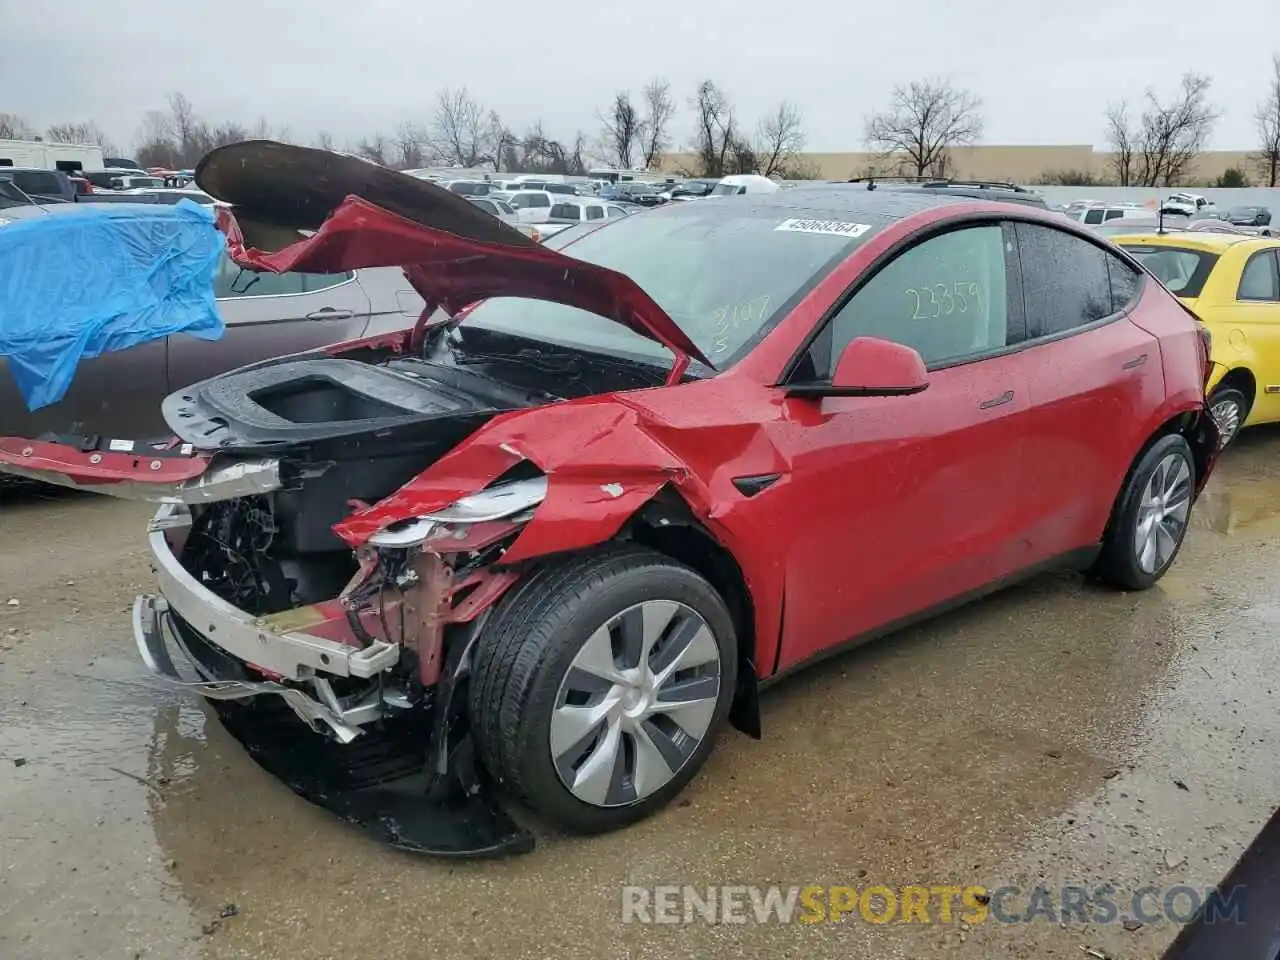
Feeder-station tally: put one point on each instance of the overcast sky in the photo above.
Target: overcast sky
(1044, 71)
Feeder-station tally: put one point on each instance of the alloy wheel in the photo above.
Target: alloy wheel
(638, 698)
(1162, 513)
(1227, 414)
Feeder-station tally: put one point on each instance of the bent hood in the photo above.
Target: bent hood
(299, 208)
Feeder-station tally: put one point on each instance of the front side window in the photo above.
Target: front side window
(1065, 280)
(616, 211)
(1259, 281)
(947, 298)
(1093, 216)
(595, 213)
(565, 211)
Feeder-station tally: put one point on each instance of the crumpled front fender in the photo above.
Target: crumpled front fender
(601, 467)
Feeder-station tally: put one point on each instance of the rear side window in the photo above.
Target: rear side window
(1259, 280)
(565, 211)
(1182, 271)
(1093, 216)
(595, 213)
(539, 200)
(1114, 214)
(560, 188)
(37, 181)
(1065, 280)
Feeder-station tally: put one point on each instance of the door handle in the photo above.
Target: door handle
(330, 313)
(996, 401)
(1136, 362)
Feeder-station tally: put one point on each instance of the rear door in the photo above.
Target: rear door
(268, 315)
(1095, 377)
(117, 394)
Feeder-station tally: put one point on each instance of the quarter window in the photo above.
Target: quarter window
(1065, 281)
(1259, 280)
(947, 298)
(1126, 283)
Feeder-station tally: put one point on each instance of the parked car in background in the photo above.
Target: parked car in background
(469, 188)
(1138, 221)
(1094, 214)
(893, 377)
(1232, 283)
(42, 186)
(565, 213)
(266, 315)
(1187, 204)
(532, 206)
(738, 184)
(690, 189)
(1249, 216)
(494, 205)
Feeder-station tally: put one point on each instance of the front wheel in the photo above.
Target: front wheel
(599, 685)
(1150, 522)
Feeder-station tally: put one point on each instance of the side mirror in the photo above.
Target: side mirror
(871, 367)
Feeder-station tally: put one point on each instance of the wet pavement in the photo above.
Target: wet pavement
(1057, 733)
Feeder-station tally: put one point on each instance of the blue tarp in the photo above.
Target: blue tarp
(101, 278)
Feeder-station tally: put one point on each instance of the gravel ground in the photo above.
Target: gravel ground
(1056, 733)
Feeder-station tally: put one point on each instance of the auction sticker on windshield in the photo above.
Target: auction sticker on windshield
(837, 228)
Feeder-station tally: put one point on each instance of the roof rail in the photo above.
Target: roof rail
(942, 182)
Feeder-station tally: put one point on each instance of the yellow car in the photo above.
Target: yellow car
(1232, 283)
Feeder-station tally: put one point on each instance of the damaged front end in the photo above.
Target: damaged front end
(384, 661)
(332, 532)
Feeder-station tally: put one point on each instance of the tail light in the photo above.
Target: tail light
(1206, 338)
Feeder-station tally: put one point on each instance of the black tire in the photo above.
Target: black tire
(526, 649)
(1230, 395)
(1118, 564)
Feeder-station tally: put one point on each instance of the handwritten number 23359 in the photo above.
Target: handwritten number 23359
(941, 300)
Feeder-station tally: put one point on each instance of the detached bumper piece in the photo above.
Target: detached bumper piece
(375, 783)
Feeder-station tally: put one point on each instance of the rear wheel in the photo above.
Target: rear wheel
(1150, 522)
(599, 685)
(1229, 407)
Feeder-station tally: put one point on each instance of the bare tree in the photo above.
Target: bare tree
(192, 135)
(86, 133)
(409, 138)
(780, 139)
(13, 127)
(924, 120)
(1268, 118)
(621, 131)
(462, 133)
(155, 143)
(716, 135)
(1121, 138)
(374, 148)
(261, 130)
(324, 140)
(659, 110)
(1163, 145)
(229, 132)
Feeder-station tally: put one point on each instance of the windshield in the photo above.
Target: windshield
(723, 275)
(726, 190)
(1182, 271)
(1243, 212)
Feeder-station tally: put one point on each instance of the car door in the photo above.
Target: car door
(1256, 312)
(1093, 375)
(269, 315)
(910, 498)
(117, 394)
